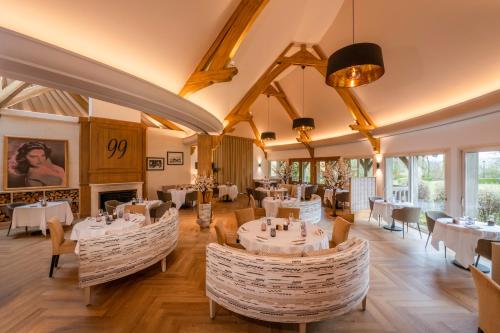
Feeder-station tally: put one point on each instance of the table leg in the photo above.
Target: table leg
(481, 267)
(392, 227)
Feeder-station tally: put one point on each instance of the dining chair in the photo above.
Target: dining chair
(191, 198)
(372, 200)
(488, 296)
(343, 198)
(340, 231)
(111, 205)
(407, 215)
(158, 211)
(483, 249)
(252, 202)
(244, 215)
(59, 244)
(430, 217)
(9, 212)
(259, 196)
(250, 192)
(284, 212)
(259, 212)
(135, 209)
(220, 231)
(308, 192)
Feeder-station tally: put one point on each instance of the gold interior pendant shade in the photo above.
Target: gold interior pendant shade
(268, 135)
(303, 123)
(356, 64)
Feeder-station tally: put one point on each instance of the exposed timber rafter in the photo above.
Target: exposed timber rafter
(10, 91)
(163, 122)
(28, 93)
(215, 67)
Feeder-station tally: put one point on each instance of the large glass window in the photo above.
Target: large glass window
(320, 168)
(361, 167)
(397, 175)
(482, 185)
(306, 172)
(274, 166)
(295, 171)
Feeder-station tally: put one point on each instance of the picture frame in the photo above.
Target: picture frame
(175, 158)
(155, 163)
(35, 163)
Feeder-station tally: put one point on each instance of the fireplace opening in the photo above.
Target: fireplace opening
(122, 196)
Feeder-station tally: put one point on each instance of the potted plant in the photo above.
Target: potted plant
(284, 171)
(336, 175)
(204, 185)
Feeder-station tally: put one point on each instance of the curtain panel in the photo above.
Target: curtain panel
(234, 160)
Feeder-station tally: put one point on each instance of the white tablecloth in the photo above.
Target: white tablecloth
(269, 192)
(299, 188)
(179, 197)
(149, 204)
(89, 228)
(461, 238)
(384, 209)
(35, 215)
(329, 195)
(231, 191)
(282, 243)
(271, 205)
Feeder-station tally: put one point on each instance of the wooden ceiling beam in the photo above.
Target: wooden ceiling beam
(166, 123)
(13, 89)
(27, 93)
(84, 104)
(218, 57)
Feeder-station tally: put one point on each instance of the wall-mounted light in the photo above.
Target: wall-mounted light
(260, 164)
(378, 159)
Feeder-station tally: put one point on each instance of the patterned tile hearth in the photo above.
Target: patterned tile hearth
(411, 289)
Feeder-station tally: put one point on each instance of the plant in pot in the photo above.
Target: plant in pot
(204, 185)
(336, 175)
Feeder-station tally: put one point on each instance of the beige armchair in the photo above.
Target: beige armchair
(59, 244)
(488, 294)
(483, 249)
(340, 232)
(407, 215)
(285, 212)
(244, 215)
(431, 216)
(220, 231)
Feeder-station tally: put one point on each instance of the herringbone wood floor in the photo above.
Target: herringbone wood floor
(412, 290)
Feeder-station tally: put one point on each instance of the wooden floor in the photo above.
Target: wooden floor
(411, 290)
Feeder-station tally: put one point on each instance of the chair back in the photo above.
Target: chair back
(341, 229)
(249, 191)
(488, 295)
(165, 188)
(484, 247)
(136, 209)
(259, 212)
(431, 216)
(56, 234)
(252, 202)
(407, 214)
(160, 210)
(220, 231)
(244, 215)
(343, 196)
(259, 195)
(111, 205)
(308, 192)
(285, 212)
(191, 196)
(372, 200)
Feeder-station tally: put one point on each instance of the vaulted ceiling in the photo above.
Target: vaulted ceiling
(437, 53)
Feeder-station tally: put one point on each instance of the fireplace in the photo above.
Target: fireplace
(122, 196)
(124, 192)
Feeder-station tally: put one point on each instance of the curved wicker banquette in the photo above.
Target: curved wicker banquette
(113, 256)
(288, 290)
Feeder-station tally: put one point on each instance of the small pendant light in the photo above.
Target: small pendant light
(268, 135)
(303, 124)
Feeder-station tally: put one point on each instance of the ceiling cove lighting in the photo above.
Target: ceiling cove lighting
(356, 64)
(268, 135)
(303, 124)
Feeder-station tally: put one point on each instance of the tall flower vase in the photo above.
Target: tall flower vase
(204, 209)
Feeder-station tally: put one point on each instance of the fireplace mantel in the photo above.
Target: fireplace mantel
(95, 189)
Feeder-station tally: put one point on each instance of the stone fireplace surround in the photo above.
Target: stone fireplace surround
(95, 189)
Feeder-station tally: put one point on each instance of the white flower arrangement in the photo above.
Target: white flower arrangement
(203, 184)
(284, 171)
(337, 174)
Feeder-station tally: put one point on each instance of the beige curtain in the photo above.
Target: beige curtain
(234, 159)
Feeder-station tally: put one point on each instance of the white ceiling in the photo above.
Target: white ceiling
(437, 53)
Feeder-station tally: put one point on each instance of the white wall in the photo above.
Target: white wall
(43, 126)
(158, 142)
(103, 109)
(451, 139)
(258, 157)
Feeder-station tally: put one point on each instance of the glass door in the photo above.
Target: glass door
(482, 185)
(397, 178)
(306, 172)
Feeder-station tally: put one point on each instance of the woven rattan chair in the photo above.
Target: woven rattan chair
(111, 205)
(259, 196)
(285, 212)
(158, 211)
(372, 200)
(220, 231)
(340, 232)
(59, 244)
(9, 212)
(407, 215)
(244, 215)
(430, 217)
(488, 296)
(483, 249)
(135, 209)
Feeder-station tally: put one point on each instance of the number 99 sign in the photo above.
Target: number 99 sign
(116, 147)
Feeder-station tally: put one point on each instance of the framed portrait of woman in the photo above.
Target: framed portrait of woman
(35, 163)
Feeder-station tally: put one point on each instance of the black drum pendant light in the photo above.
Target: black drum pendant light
(268, 135)
(356, 64)
(303, 124)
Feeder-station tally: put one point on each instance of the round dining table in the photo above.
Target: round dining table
(383, 210)
(90, 228)
(286, 241)
(271, 205)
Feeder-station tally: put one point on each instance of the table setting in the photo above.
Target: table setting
(229, 190)
(179, 195)
(281, 236)
(37, 214)
(120, 209)
(461, 235)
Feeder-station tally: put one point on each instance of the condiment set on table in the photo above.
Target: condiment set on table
(281, 227)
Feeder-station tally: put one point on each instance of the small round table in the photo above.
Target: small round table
(286, 241)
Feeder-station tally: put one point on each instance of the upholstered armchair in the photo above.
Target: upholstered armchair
(285, 212)
(340, 231)
(244, 215)
(488, 294)
(372, 200)
(59, 244)
(407, 215)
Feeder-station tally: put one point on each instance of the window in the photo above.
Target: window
(274, 167)
(482, 185)
(361, 167)
(320, 168)
(295, 171)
